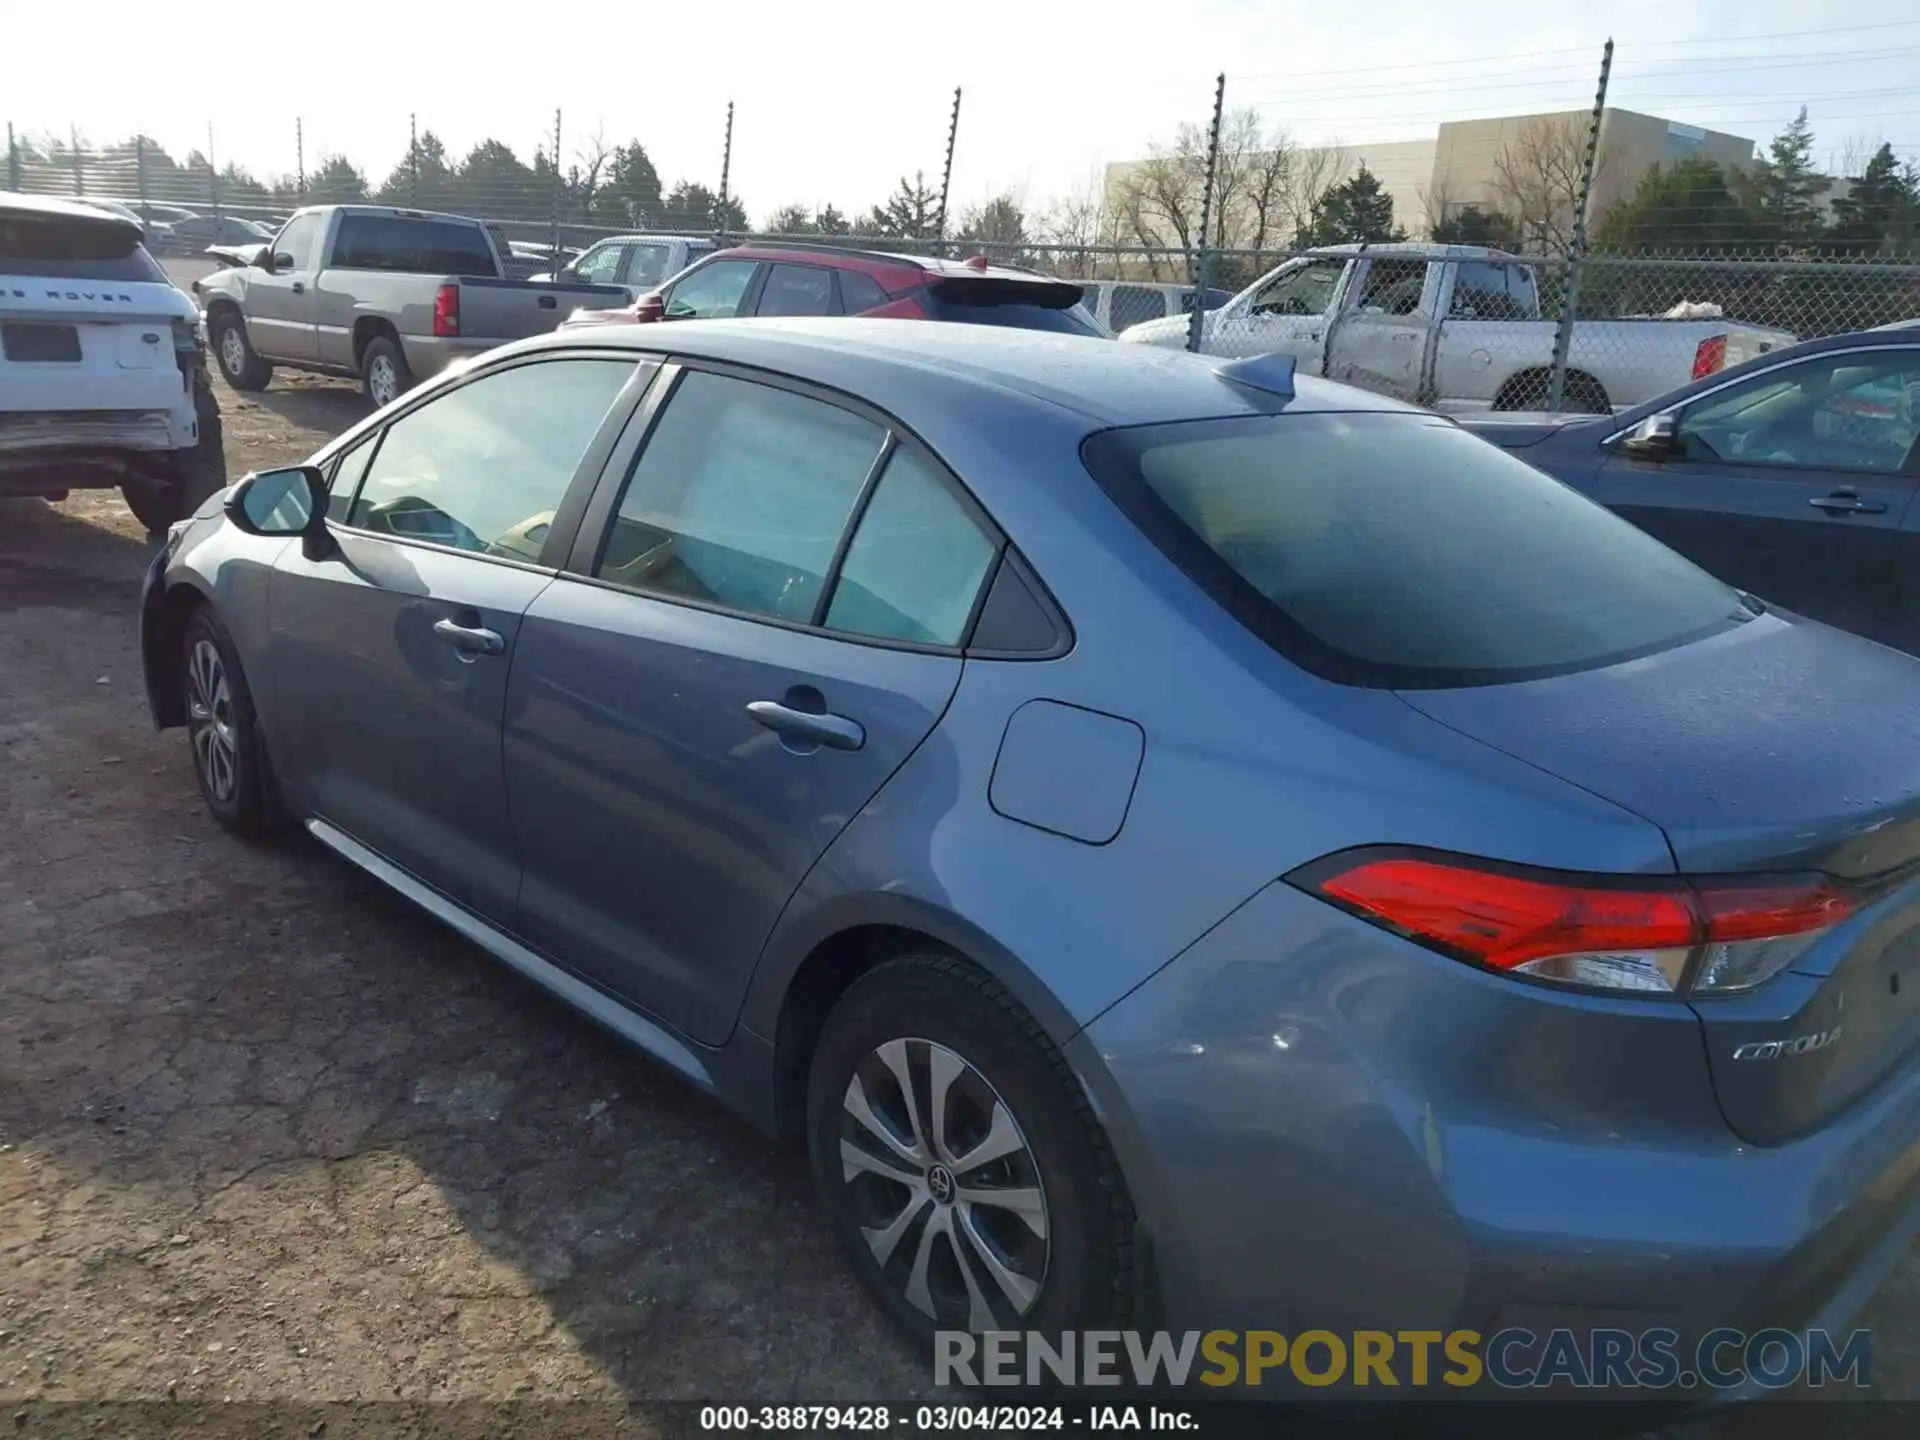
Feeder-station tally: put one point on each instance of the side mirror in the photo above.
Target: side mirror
(1654, 438)
(283, 503)
(649, 308)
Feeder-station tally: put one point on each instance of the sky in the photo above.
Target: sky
(833, 102)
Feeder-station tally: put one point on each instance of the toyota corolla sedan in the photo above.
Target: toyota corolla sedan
(1180, 847)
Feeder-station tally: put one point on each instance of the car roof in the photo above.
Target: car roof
(653, 239)
(903, 366)
(852, 258)
(15, 203)
(1410, 250)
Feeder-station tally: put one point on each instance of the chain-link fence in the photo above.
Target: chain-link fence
(1595, 256)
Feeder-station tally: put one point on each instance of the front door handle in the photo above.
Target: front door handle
(835, 731)
(1845, 502)
(299, 287)
(469, 639)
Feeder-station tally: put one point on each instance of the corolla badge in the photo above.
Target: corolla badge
(1780, 1049)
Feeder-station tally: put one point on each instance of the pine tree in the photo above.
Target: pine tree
(1357, 209)
(1688, 205)
(910, 213)
(1784, 188)
(1881, 212)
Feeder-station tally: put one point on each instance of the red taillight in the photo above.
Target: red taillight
(1716, 935)
(1709, 356)
(446, 310)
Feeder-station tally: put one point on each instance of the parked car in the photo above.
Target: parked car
(1163, 837)
(525, 260)
(1792, 476)
(194, 234)
(103, 379)
(388, 295)
(153, 210)
(155, 235)
(1457, 327)
(638, 262)
(1119, 304)
(794, 279)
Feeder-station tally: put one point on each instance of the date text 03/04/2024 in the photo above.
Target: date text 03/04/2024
(930, 1419)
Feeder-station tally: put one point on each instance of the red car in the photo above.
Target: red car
(789, 279)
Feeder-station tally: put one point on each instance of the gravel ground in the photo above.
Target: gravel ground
(268, 1134)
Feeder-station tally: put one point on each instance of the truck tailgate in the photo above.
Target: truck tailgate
(503, 310)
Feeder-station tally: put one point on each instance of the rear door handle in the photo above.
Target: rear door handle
(835, 731)
(548, 302)
(469, 639)
(1843, 503)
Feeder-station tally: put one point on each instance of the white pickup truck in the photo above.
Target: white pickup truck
(1455, 327)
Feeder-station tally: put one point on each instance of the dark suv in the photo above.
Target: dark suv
(789, 279)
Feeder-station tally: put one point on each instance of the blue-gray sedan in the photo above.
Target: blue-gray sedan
(1179, 848)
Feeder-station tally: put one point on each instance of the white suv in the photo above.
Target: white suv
(103, 378)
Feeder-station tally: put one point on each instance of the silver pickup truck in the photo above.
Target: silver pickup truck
(391, 296)
(1455, 327)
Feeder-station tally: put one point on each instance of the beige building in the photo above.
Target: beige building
(1526, 166)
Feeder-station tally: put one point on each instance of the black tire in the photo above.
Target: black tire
(1585, 395)
(233, 351)
(383, 352)
(157, 502)
(240, 793)
(917, 1006)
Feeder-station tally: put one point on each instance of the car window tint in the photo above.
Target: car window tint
(1393, 287)
(295, 245)
(917, 560)
(712, 292)
(66, 248)
(1306, 291)
(1832, 412)
(1399, 550)
(797, 290)
(348, 471)
(483, 465)
(406, 244)
(599, 265)
(740, 497)
(1483, 291)
(859, 293)
(1134, 303)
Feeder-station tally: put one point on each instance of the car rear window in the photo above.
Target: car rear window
(417, 247)
(57, 248)
(1396, 550)
(1040, 305)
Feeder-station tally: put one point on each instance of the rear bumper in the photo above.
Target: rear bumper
(42, 431)
(1326, 1128)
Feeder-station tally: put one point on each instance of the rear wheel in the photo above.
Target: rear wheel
(244, 369)
(229, 759)
(384, 376)
(960, 1165)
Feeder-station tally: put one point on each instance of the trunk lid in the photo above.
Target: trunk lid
(1778, 746)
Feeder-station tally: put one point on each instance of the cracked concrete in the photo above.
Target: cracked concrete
(268, 1134)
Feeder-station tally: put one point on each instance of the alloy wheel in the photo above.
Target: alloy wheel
(210, 721)
(944, 1186)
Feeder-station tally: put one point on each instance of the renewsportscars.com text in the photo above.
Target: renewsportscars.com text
(1511, 1359)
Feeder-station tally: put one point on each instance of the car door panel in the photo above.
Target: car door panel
(282, 318)
(1380, 341)
(391, 731)
(663, 826)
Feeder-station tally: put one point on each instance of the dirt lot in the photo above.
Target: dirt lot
(266, 1133)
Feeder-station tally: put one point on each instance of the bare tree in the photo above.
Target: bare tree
(1313, 173)
(591, 157)
(1537, 180)
(1072, 225)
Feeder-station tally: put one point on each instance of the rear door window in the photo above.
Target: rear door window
(797, 290)
(1483, 291)
(740, 498)
(1134, 303)
(1398, 550)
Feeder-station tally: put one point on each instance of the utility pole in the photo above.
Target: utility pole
(1577, 251)
(413, 159)
(79, 170)
(946, 174)
(300, 158)
(553, 208)
(213, 173)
